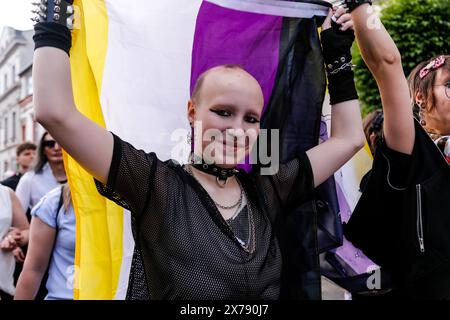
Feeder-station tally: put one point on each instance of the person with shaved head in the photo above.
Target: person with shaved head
(205, 230)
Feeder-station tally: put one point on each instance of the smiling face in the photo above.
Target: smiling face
(226, 109)
(439, 117)
(432, 92)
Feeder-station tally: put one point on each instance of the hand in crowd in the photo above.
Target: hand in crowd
(18, 254)
(15, 238)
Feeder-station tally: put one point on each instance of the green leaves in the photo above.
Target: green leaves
(421, 30)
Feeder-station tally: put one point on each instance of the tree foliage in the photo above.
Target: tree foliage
(420, 29)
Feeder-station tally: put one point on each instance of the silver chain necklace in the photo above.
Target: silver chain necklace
(251, 243)
(237, 204)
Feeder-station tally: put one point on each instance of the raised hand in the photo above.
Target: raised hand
(353, 4)
(339, 18)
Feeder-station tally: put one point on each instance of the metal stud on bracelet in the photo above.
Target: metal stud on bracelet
(58, 11)
(340, 64)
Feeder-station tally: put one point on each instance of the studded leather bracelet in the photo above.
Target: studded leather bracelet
(54, 20)
(57, 11)
(336, 46)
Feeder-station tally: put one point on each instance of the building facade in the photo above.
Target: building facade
(16, 91)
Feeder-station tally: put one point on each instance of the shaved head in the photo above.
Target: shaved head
(229, 101)
(230, 72)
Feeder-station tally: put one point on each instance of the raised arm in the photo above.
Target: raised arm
(384, 61)
(347, 136)
(346, 139)
(88, 143)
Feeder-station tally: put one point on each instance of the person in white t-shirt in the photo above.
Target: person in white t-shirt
(13, 234)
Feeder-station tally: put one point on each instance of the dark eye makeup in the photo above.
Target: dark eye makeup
(225, 113)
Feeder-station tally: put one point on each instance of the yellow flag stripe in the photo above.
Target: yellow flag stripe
(99, 230)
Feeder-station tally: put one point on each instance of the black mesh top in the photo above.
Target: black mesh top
(188, 250)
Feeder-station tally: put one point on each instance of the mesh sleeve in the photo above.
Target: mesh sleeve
(294, 182)
(129, 177)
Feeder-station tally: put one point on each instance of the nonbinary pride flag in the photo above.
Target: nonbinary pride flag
(133, 65)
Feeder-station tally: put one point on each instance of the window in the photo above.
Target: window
(5, 85)
(14, 165)
(24, 133)
(6, 131)
(6, 166)
(14, 74)
(14, 127)
(35, 128)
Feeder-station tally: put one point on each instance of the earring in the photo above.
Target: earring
(189, 135)
(421, 117)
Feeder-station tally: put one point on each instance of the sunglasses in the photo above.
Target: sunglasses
(49, 144)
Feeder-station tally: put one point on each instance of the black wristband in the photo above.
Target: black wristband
(336, 44)
(341, 87)
(353, 4)
(51, 34)
(338, 59)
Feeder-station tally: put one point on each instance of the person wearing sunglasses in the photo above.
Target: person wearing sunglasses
(48, 174)
(402, 219)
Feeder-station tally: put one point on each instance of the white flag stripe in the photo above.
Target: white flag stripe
(275, 7)
(148, 68)
(127, 257)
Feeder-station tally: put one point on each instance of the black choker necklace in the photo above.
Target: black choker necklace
(222, 174)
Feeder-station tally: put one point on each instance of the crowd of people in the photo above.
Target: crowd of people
(220, 225)
(38, 243)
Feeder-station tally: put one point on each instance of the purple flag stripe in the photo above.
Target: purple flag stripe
(226, 36)
(348, 252)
